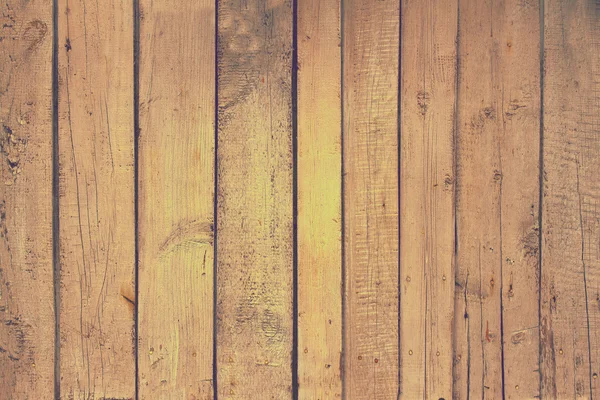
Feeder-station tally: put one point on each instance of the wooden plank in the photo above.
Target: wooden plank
(319, 200)
(96, 201)
(370, 55)
(176, 199)
(517, 29)
(26, 268)
(570, 315)
(496, 328)
(428, 81)
(255, 213)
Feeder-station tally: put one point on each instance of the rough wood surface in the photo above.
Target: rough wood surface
(428, 108)
(96, 201)
(371, 45)
(26, 272)
(255, 200)
(444, 241)
(496, 336)
(319, 200)
(516, 29)
(570, 315)
(176, 199)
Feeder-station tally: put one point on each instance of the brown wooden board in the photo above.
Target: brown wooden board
(254, 200)
(26, 135)
(497, 156)
(370, 125)
(176, 199)
(427, 179)
(96, 199)
(570, 312)
(319, 200)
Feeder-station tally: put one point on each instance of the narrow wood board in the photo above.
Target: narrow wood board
(255, 200)
(496, 336)
(176, 199)
(428, 108)
(319, 172)
(26, 268)
(516, 29)
(570, 315)
(370, 54)
(96, 200)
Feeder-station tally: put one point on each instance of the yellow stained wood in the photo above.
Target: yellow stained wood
(255, 215)
(176, 199)
(570, 315)
(26, 272)
(428, 108)
(370, 51)
(96, 201)
(496, 304)
(319, 200)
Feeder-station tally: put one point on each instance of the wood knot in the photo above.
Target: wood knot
(270, 323)
(12, 147)
(489, 112)
(423, 102)
(518, 337)
(531, 243)
(35, 32)
(497, 175)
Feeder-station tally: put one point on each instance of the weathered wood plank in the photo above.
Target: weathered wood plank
(370, 51)
(96, 202)
(496, 306)
(26, 268)
(570, 315)
(176, 199)
(517, 30)
(428, 82)
(255, 200)
(319, 200)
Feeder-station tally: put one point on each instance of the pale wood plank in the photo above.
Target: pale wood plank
(570, 317)
(255, 215)
(370, 51)
(176, 199)
(26, 268)
(497, 200)
(96, 203)
(428, 79)
(319, 200)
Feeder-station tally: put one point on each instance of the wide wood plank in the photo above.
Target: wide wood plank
(319, 200)
(570, 315)
(255, 200)
(370, 55)
(496, 306)
(176, 198)
(96, 202)
(26, 268)
(428, 81)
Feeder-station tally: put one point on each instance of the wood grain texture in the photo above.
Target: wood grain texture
(96, 201)
(26, 268)
(319, 200)
(428, 108)
(371, 45)
(176, 199)
(570, 315)
(496, 333)
(444, 241)
(516, 27)
(255, 200)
